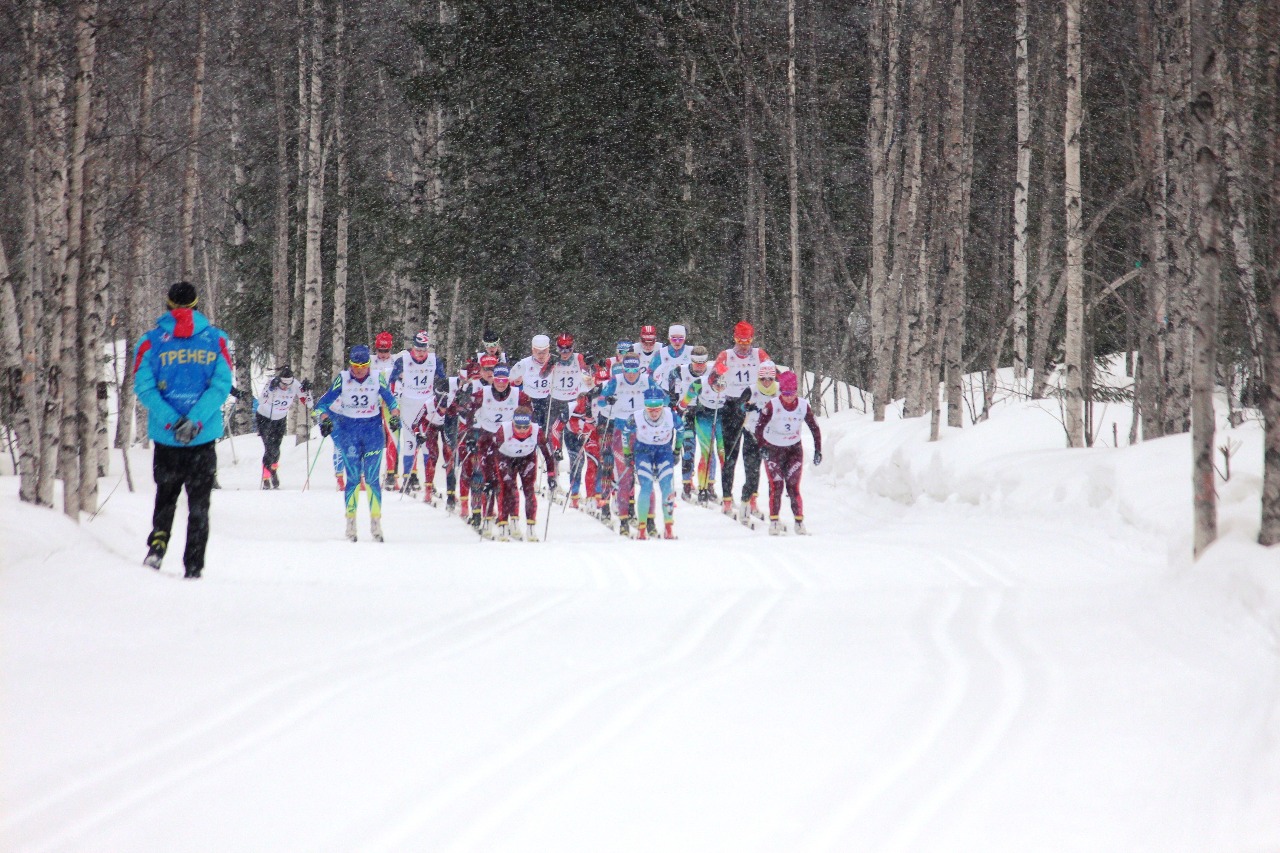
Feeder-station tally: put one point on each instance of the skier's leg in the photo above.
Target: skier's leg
(731, 422)
(203, 465)
(429, 445)
(644, 478)
(622, 478)
(666, 475)
(528, 471)
(449, 452)
(794, 468)
(169, 472)
(507, 500)
(392, 455)
(352, 463)
(702, 423)
(372, 462)
(750, 466)
(773, 471)
(408, 445)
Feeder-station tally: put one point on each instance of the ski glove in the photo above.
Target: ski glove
(394, 422)
(184, 431)
(326, 427)
(442, 385)
(551, 484)
(817, 457)
(306, 385)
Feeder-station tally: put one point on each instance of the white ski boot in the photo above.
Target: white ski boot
(375, 528)
(776, 528)
(502, 535)
(351, 528)
(800, 531)
(529, 534)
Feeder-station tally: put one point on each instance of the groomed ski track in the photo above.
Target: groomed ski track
(907, 678)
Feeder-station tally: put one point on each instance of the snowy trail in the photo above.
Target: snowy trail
(932, 677)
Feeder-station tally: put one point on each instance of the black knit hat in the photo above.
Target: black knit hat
(182, 295)
(285, 372)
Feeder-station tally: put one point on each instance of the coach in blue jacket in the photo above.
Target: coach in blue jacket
(182, 374)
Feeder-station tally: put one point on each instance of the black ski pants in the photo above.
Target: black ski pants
(731, 417)
(272, 433)
(193, 468)
(751, 457)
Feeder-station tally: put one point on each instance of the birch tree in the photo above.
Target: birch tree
(882, 153)
(313, 302)
(191, 177)
(1021, 191)
(1073, 392)
(793, 193)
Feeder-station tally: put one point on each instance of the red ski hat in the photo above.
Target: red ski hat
(602, 375)
(744, 332)
(565, 341)
(788, 383)
(648, 334)
(488, 361)
(383, 340)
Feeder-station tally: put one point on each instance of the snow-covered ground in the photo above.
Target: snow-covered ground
(990, 643)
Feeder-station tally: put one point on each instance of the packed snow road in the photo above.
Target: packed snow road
(908, 678)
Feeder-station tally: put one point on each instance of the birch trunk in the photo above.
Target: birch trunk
(313, 303)
(882, 138)
(30, 381)
(1074, 344)
(191, 176)
(1269, 531)
(296, 318)
(793, 191)
(1204, 130)
(1151, 137)
(1181, 222)
(92, 297)
(339, 346)
(1021, 188)
(280, 302)
(957, 166)
(752, 265)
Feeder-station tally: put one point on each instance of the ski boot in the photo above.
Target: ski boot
(156, 547)
(775, 527)
(651, 527)
(726, 506)
(375, 528)
(475, 520)
(450, 502)
(669, 531)
(513, 529)
(529, 534)
(275, 477)
(686, 494)
(411, 484)
(192, 572)
(800, 531)
(351, 528)
(429, 494)
(624, 526)
(573, 501)
(642, 530)
(392, 484)
(502, 535)
(266, 478)
(605, 512)
(753, 509)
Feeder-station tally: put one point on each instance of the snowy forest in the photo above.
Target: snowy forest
(896, 193)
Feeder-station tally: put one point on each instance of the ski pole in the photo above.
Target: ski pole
(314, 459)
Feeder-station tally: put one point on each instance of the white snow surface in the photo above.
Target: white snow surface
(989, 643)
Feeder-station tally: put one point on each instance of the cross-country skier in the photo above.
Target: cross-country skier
(470, 450)
(381, 365)
(778, 434)
(182, 373)
(569, 377)
(491, 345)
(651, 436)
(675, 353)
(517, 470)
(704, 400)
(624, 349)
(738, 364)
(437, 431)
(766, 389)
(647, 347)
(271, 417)
(412, 381)
(624, 395)
(352, 411)
(494, 405)
(581, 437)
(532, 375)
